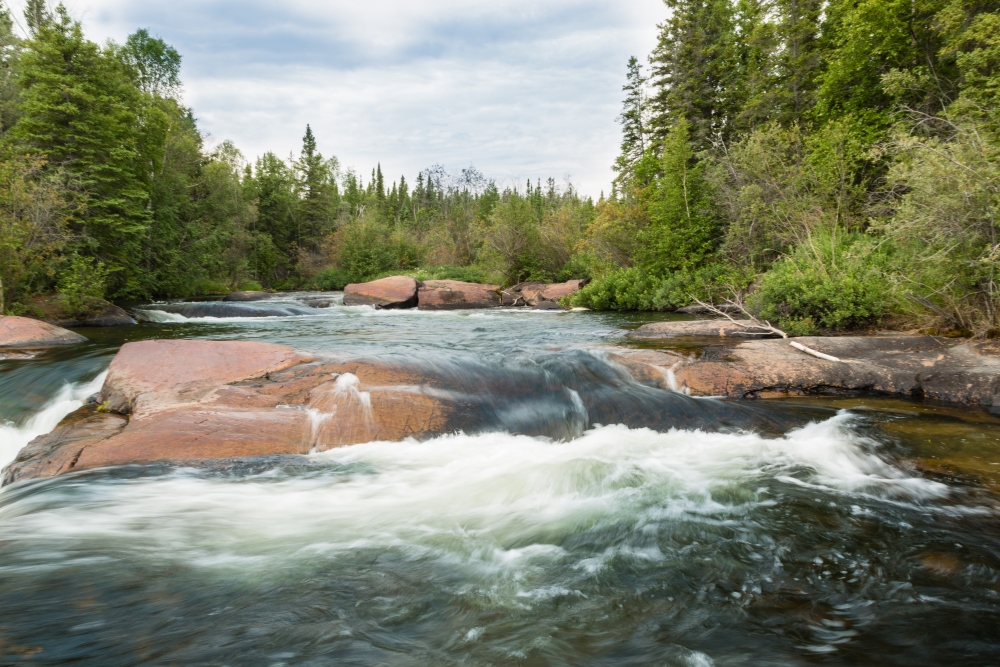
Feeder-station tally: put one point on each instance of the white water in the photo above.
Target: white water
(492, 505)
(71, 396)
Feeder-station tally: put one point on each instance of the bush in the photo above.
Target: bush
(711, 283)
(368, 248)
(83, 280)
(834, 283)
(330, 280)
(624, 289)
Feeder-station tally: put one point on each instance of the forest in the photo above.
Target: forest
(829, 164)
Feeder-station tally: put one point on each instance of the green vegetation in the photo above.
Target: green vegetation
(834, 164)
(108, 190)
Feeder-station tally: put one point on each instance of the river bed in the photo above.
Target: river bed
(833, 531)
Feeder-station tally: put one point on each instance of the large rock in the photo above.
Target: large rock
(966, 372)
(222, 309)
(394, 292)
(540, 295)
(24, 332)
(246, 296)
(456, 295)
(92, 312)
(187, 401)
(700, 328)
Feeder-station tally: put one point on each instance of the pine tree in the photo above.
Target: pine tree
(316, 187)
(36, 14)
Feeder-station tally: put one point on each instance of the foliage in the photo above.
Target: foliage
(81, 281)
(833, 283)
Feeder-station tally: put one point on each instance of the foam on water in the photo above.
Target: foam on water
(468, 498)
(70, 397)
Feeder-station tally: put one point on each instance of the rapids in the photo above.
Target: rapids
(696, 533)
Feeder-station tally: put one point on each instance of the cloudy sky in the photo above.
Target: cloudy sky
(519, 88)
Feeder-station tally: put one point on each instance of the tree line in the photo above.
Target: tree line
(107, 189)
(831, 163)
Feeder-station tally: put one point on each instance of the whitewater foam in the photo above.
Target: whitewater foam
(13, 437)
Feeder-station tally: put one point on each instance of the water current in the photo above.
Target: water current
(650, 529)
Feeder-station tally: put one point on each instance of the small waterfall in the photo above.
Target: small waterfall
(13, 437)
(344, 405)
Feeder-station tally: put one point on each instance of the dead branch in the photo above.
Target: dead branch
(764, 326)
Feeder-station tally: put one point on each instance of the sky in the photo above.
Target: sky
(519, 89)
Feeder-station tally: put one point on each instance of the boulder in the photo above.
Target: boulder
(955, 371)
(456, 295)
(540, 295)
(247, 296)
(93, 312)
(317, 303)
(704, 328)
(394, 292)
(222, 309)
(24, 332)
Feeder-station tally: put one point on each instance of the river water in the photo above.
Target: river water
(857, 531)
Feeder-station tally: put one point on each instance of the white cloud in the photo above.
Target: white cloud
(520, 89)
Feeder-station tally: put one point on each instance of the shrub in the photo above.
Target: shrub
(624, 289)
(711, 283)
(83, 280)
(330, 280)
(834, 283)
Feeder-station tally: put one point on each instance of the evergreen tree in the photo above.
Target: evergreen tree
(633, 122)
(81, 112)
(694, 71)
(316, 187)
(36, 14)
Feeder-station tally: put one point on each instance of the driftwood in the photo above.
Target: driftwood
(764, 327)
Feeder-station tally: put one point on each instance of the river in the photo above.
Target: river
(828, 531)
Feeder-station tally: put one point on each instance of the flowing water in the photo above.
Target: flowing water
(610, 523)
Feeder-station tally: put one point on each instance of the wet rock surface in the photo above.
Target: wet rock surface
(940, 369)
(394, 292)
(720, 328)
(24, 332)
(227, 309)
(545, 296)
(193, 401)
(247, 296)
(457, 295)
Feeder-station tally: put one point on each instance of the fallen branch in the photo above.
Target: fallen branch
(764, 326)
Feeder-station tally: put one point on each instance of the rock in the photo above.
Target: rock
(913, 366)
(24, 332)
(93, 313)
(540, 295)
(394, 292)
(59, 451)
(317, 303)
(150, 375)
(222, 309)
(456, 295)
(708, 328)
(247, 296)
(696, 309)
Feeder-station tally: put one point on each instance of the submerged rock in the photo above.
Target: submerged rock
(317, 303)
(457, 295)
(223, 309)
(546, 296)
(394, 292)
(711, 328)
(24, 332)
(247, 296)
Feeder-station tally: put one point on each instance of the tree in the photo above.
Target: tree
(316, 187)
(81, 112)
(633, 122)
(154, 65)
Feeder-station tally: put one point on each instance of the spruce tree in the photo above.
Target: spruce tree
(633, 122)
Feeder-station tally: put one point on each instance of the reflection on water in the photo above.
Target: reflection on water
(870, 536)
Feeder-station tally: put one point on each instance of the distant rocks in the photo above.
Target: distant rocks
(24, 332)
(713, 328)
(394, 292)
(457, 295)
(246, 296)
(540, 295)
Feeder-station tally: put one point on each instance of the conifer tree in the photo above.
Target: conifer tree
(633, 122)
